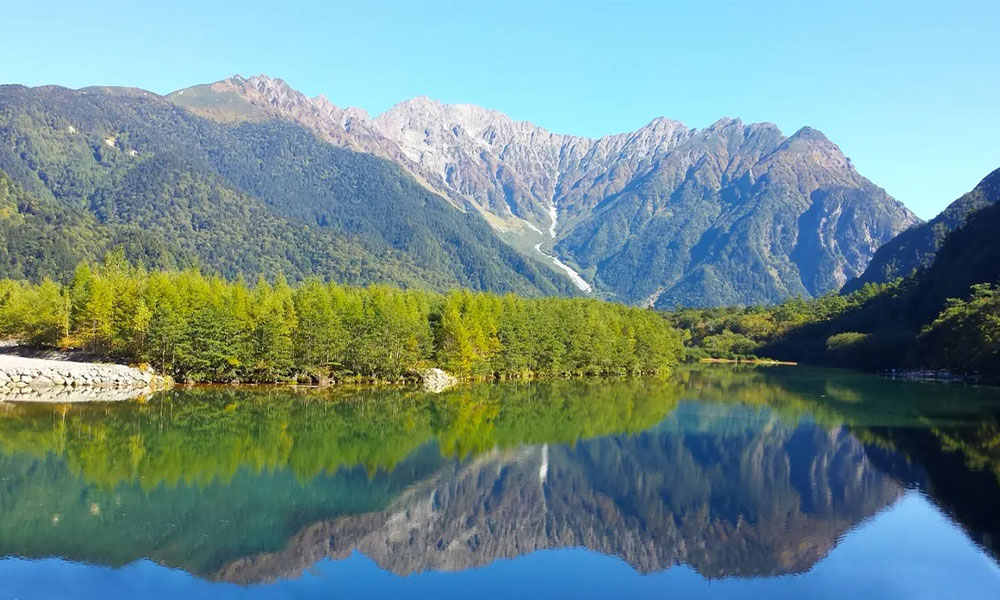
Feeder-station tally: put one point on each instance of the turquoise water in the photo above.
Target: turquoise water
(718, 483)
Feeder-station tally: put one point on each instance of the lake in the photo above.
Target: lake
(722, 482)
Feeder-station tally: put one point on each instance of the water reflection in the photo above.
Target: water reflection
(727, 491)
(732, 472)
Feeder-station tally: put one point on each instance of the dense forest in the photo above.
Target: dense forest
(202, 328)
(736, 332)
(875, 328)
(206, 328)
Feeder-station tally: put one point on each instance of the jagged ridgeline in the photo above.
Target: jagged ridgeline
(84, 171)
(733, 213)
(250, 176)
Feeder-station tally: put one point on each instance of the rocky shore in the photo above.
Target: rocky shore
(34, 379)
(436, 380)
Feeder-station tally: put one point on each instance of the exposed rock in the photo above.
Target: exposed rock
(46, 380)
(435, 380)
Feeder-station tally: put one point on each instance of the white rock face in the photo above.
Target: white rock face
(515, 168)
(578, 281)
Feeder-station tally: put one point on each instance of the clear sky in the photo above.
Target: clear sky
(910, 91)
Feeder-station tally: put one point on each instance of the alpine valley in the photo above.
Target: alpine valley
(249, 176)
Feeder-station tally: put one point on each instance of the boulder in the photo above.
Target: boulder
(436, 380)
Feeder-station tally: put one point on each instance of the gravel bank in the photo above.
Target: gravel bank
(37, 379)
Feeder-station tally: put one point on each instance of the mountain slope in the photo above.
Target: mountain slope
(916, 247)
(733, 213)
(939, 317)
(737, 215)
(250, 197)
(34, 240)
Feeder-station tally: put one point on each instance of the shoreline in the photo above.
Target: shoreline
(61, 380)
(748, 361)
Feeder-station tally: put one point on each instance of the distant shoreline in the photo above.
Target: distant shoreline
(749, 361)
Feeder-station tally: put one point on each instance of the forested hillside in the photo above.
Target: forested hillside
(944, 316)
(38, 237)
(126, 167)
(739, 214)
(916, 247)
(230, 234)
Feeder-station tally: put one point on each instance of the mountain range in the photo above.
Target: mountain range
(248, 175)
(733, 213)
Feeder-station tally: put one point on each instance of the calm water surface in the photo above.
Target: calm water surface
(719, 483)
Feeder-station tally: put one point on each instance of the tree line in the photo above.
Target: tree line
(879, 327)
(208, 329)
(747, 332)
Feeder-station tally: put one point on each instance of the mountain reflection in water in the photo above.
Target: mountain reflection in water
(733, 472)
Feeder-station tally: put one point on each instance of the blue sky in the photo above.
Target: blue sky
(910, 91)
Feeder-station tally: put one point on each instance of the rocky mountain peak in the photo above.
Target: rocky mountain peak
(658, 131)
(269, 90)
(661, 122)
(468, 119)
(725, 122)
(809, 152)
(810, 135)
(264, 82)
(343, 115)
(814, 140)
